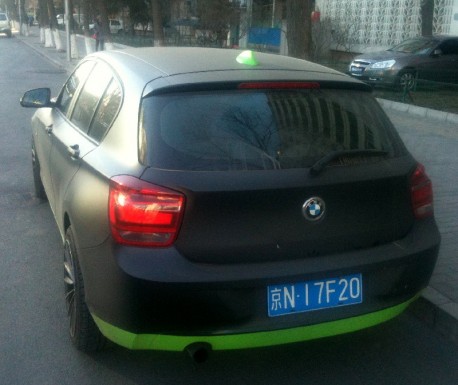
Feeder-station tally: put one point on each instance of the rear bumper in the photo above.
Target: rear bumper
(248, 340)
(144, 296)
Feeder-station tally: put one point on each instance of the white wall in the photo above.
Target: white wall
(384, 23)
(454, 23)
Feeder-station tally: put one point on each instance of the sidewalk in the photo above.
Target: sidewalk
(59, 59)
(438, 306)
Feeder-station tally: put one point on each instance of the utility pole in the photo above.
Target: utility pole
(68, 15)
(20, 16)
(273, 13)
(249, 13)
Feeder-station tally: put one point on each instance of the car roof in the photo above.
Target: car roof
(433, 37)
(191, 65)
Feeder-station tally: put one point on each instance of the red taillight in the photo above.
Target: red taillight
(144, 214)
(278, 85)
(421, 190)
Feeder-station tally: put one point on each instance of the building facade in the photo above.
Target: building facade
(375, 24)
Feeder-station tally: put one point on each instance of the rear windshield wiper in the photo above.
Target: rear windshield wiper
(325, 160)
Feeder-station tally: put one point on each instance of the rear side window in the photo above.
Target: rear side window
(90, 96)
(449, 47)
(68, 92)
(259, 130)
(106, 112)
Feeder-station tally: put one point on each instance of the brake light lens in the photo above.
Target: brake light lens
(421, 190)
(278, 85)
(143, 214)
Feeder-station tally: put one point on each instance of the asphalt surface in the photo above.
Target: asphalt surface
(435, 146)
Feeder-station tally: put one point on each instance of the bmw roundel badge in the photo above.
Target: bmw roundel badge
(313, 209)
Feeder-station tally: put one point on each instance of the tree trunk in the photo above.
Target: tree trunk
(88, 40)
(24, 27)
(86, 21)
(299, 35)
(427, 13)
(52, 15)
(43, 16)
(156, 15)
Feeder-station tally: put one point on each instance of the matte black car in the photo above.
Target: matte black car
(426, 58)
(212, 199)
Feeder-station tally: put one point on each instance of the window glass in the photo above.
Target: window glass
(259, 130)
(415, 46)
(106, 111)
(71, 86)
(90, 96)
(449, 47)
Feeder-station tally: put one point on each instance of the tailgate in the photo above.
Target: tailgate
(233, 217)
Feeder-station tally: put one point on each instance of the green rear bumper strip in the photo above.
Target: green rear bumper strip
(248, 340)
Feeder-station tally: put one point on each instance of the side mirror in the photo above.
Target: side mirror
(39, 97)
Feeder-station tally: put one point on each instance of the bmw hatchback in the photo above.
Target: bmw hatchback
(222, 200)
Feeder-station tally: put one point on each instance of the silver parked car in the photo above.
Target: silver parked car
(426, 58)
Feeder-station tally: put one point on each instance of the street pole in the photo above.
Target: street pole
(20, 16)
(249, 11)
(273, 13)
(67, 30)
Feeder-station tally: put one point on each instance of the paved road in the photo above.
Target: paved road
(34, 346)
(436, 146)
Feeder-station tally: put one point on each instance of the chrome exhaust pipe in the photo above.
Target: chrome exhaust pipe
(199, 351)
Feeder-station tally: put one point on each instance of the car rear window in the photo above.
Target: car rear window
(2, 17)
(259, 130)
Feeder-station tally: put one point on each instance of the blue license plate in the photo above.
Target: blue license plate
(314, 295)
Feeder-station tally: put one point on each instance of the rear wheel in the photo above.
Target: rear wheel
(84, 333)
(38, 184)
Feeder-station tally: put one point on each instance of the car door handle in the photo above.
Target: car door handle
(48, 129)
(74, 151)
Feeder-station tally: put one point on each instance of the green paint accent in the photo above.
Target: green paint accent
(249, 340)
(247, 57)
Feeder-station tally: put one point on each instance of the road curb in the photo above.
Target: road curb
(420, 111)
(438, 312)
(58, 63)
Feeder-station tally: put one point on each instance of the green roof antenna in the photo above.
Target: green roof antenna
(247, 57)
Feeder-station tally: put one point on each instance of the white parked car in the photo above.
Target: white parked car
(116, 26)
(5, 26)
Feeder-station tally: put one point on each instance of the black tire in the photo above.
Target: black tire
(84, 333)
(408, 80)
(37, 182)
(8, 33)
